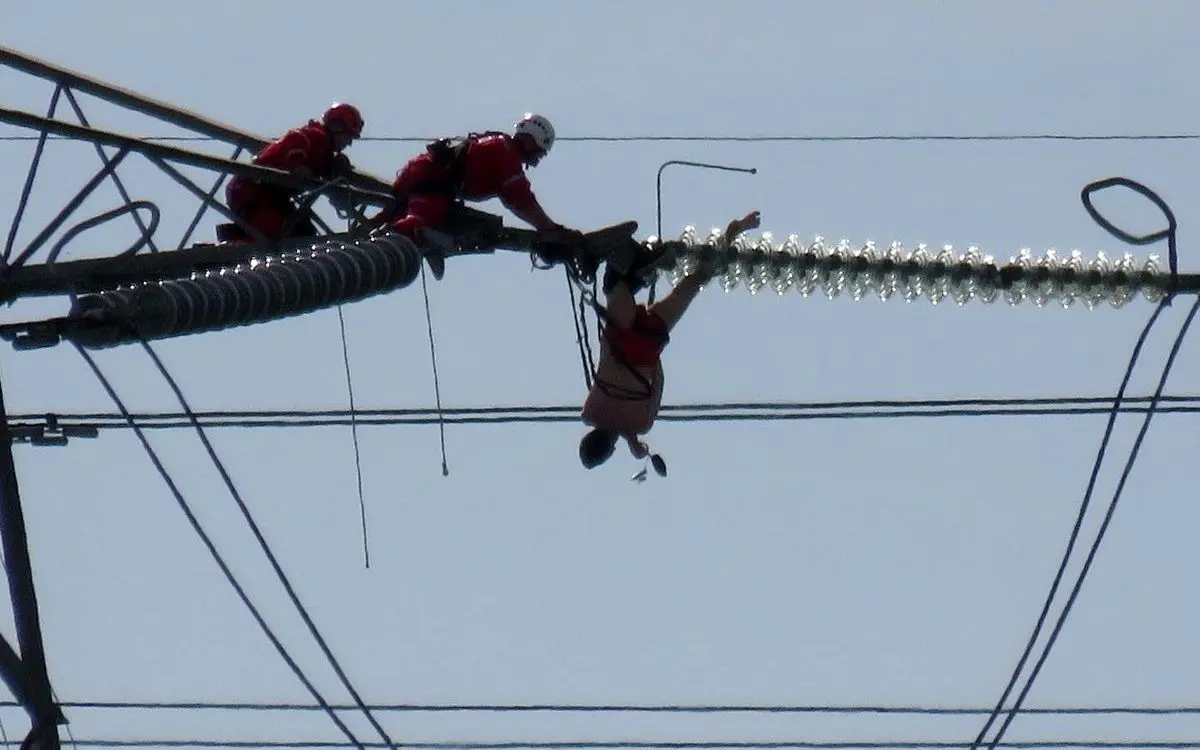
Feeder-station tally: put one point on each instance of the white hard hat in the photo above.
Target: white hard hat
(539, 128)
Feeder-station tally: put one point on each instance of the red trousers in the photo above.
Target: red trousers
(422, 207)
(268, 211)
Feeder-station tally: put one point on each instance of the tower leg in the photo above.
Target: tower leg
(25, 674)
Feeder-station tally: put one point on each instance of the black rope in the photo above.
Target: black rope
(587, 335)
(262, 542)
(1074, 535)
(688, 412)
(613, 390)
(642, 745)
(1112, 507)
(625, 708)
(362, 502)
(106, 384)
(437, 386)
(1168, 234)
(578, 315)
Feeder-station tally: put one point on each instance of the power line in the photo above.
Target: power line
(696, 412)
(262, 542)
(206, 539)
(1170, 235)
(629, 744)
(774, 138)
(620, 708)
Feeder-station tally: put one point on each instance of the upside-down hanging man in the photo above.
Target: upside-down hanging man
(627, 389)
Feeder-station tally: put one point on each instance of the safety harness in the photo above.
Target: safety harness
(660, 337)
(450, 157)
(450, 153)
(591, 373)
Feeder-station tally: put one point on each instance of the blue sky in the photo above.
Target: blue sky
(857, 561)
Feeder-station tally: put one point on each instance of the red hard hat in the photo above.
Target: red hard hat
(343, 117)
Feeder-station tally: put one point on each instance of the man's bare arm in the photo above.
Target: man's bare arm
(672, 307)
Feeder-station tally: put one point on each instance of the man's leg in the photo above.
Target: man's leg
(267, 218)
(426, 211)
(398, 205)
(298, 222)
(250, 203)
(672, 307)
(619, 302)
(414, 206)
(634, 260)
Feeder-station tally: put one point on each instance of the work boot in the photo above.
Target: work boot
(623, 258)
(434, 245)
(437, 264)
(613, 276)
(637, 258)
(637, 262)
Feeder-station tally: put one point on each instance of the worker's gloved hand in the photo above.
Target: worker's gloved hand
(559, 233)
(558, 244)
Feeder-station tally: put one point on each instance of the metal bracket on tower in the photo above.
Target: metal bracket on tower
(50, 432)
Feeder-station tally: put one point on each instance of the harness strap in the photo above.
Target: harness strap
(451, 153)
(618, 391)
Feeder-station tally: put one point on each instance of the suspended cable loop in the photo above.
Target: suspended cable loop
(1168, 234)
(1010, 712)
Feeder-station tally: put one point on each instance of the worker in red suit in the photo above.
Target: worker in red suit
(477, 167)
(313, 150)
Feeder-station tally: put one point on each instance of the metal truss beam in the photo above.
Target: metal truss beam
(23, 669)
(175, 154)
(161, 156)
(154, 108)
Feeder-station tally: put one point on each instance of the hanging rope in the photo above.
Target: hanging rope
(362, 503)
(579, 318)
(437, 389)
